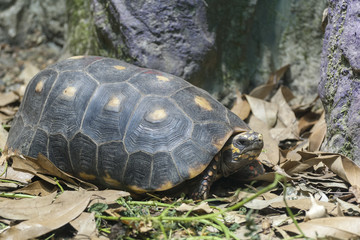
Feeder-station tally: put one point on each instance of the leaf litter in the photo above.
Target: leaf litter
(305, 192)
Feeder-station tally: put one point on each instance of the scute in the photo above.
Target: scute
(190, 159)
(138, 171)
(150, 135)
(83, 155)
(157, 83)
(77, 63)
(211, 136)
(62, 113)
(109, 70)
(21, 143)
(105, 123)
(34, 101)
(112, 160)
(236, 123)
(164, 174)
(59, 152)
(190, 100)
(39, 143)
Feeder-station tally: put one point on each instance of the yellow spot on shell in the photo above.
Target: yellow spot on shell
(86, 176)
(114, 102)
(39, 86)
(111, 181)
(165, 186)
(162, 78)
(203, 103)
(69, 91)
(193, 172)
(118, 67)
(136, 189)
(76, 57)
(157, 115)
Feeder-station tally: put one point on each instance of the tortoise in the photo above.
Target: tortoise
(125, 127)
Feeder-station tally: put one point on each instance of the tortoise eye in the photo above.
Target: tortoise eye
(243, 142)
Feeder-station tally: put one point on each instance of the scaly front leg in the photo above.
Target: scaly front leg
(207, 178)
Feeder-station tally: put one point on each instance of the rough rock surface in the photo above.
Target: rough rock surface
(339, 87)
(214, 45)
(171, 36)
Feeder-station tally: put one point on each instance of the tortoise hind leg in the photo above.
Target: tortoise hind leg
(206, 179)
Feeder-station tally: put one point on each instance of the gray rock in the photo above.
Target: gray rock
(171, 36)
(339, 88)
(214, 44)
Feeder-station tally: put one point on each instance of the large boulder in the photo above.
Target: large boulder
(216, 46)
(339, 87)
(171, 36)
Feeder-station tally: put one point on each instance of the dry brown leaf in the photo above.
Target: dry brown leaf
(318, 133)
(355, 189)
(46, 170)
(342, 166)
(241, 107)
(302, 109)
(24, 209)
(285, 113)
(307, 121)
(304, 204)
(38, 188)
(262, 91)
(8, 186)
(3, 137)
(203, 207)
(4, 119)
(9, 111)
(278, 74)
(7, 98)
(12, 174)
(279, 220)
(271, 149)
(108, 196)
(265, 111)
(347, 206)
(234, 217)
(292, 167)
(61, 211)
(145, 226)
(282, 133)
(335, 227)
(339, 164)
(287, 125)
(29, 71)
(261, 204)
(270, 176)
(85, 226)
(287, 93)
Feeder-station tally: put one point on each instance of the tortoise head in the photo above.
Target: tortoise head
(239, 150)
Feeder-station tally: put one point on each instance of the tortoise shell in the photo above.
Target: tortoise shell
(119, 125)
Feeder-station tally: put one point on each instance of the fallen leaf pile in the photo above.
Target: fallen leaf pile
(319, 197)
